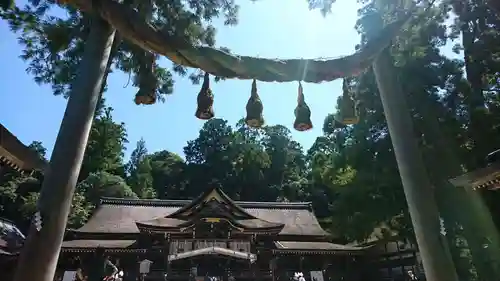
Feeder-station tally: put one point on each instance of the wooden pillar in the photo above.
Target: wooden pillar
(227, 270)
(386, 259)
(272, 261)
(166, 253)
(253, 250)
(347, 263)
(276, 271)
(191, 269)
(415, 266)
(325, 270)
(400, 258)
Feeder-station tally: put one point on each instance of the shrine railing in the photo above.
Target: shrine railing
(185, 273)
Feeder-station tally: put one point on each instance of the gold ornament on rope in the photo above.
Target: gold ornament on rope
(205, 110)
(302, 113)
(254, 108)
(349, 109)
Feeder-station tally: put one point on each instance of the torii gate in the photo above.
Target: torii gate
(39, 258)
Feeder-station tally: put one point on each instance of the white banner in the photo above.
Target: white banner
(69, 276)
(316, 275)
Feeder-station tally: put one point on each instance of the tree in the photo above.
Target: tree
(54, 35)
(418, 191)
(143, 185)
(140, 172)
(19, 194)
(350, 174)
(80, 208)
(103, 184)
(138, 155)
(169, 174)
(105, 147)
(249, 164)
(54, 46)
(38, 147)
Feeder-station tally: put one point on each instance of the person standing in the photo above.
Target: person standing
(79, 276)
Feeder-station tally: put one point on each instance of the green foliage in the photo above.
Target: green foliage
(6, 4)
(454, 112)
(53, 46)
(103, 184)
(81, 209)
(38, 148)
(19, 195)
(140, 172)
(168, 174)
(102, 174)
(105, 146)
(349, 174)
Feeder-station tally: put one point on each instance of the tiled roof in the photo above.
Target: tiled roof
(296, 247)
(11, 238)
(17, 155)
(121, 215)
(487, 177)
(98, 243)
(293, 245)
(108, 245)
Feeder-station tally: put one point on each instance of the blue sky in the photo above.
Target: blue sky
(271, 28)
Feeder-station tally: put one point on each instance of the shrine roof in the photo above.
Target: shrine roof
(487, 178)
(11, 238)
(304, 247)
(90, 245)
(116, 215)
(299, 245)
(17, 155)
(170, 222)
(5, 253)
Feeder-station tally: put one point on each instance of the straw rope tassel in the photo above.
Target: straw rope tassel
(205, 99)
(302, 113)
(254, 109)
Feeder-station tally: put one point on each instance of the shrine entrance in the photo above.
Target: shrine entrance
(212, 266)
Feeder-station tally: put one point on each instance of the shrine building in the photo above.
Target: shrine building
(211, 235)
(215, 236)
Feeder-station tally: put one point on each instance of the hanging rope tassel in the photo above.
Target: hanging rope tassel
(349, 113)
(148, 83)
(205, 109)
(255, 118)
(302, 113)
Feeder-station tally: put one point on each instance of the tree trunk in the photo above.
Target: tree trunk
(40, 254)
(418, 191)
(479, 127)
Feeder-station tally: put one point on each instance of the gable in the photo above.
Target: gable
(214, 202)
